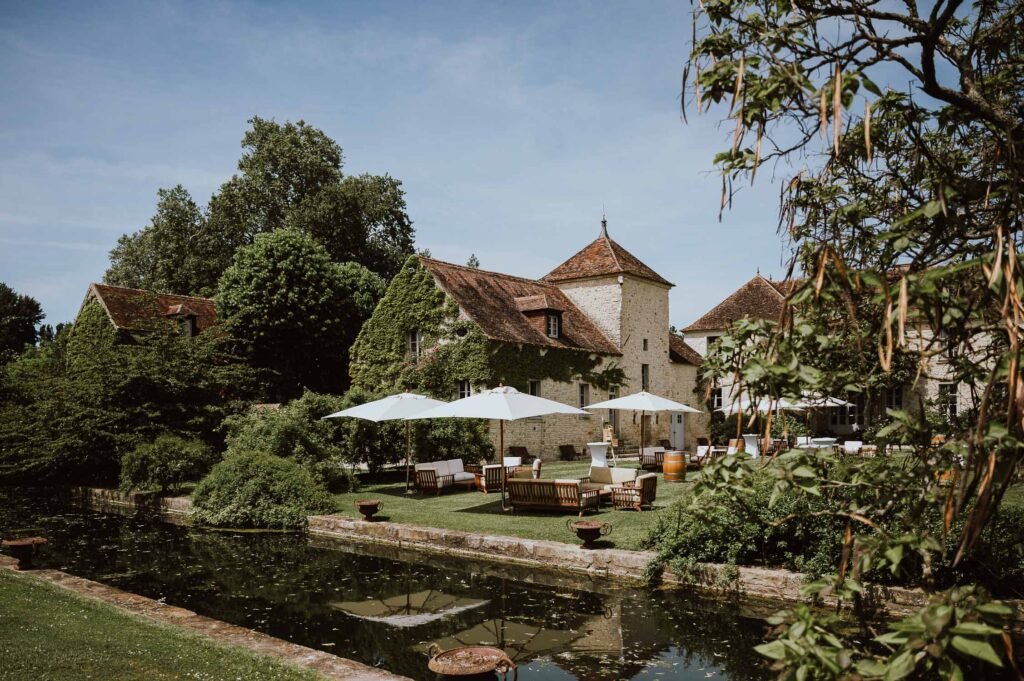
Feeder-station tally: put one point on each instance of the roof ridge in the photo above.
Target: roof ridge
(611, 249)
(541, 282)
(146, 290)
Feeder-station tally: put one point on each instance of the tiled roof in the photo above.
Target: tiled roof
(603, 257)
(680, 352)
(493, 301)
(134, 309)
(756, 299)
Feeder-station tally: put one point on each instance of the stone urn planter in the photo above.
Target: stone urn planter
(589, 531)
(23, 550)
(470, 662)
(368, 507)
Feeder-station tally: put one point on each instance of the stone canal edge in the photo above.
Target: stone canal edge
(328, 665)
(619, 566)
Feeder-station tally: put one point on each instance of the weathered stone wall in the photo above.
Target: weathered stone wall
(542, 436)
(600, 299)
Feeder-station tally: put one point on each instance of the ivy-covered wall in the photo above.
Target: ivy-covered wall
(454, 349)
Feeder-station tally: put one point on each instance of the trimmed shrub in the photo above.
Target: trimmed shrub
(253, 489)
(165, 464)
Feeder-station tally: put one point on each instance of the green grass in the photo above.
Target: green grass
(49, 633)
(473, 511)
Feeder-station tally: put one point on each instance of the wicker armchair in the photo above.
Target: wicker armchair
(636, 495)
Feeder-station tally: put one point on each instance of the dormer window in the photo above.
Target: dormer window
(188, 326)
(414, 344)
(554, 325)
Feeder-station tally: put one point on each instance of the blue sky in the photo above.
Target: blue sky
(510, 125)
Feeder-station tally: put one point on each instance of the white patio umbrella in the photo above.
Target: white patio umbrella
(503, 403)
(403, 406)
(761, 406)
(643, 402)
(818, 402)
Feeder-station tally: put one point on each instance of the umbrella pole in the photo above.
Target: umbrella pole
(407, 448)
(501, 454)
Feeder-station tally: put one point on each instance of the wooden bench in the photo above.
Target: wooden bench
(550, 495)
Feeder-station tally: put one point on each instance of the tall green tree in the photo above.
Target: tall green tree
(295, 311)
(177, 252)
(911, 200)
(19, 316)
(289, 176)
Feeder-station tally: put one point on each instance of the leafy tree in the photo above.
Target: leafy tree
(289, 177)
(294, 311)
(915, 206)
(473, 261)
(71, 409)
(177, 252)
(19, 315)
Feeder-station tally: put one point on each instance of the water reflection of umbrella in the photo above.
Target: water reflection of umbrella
(520, 641)
(410, 609)
(403, 406)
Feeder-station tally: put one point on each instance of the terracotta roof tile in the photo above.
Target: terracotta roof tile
(601, 257)
(492, 300)
(756, 299)
(679, 351)
(134, 309)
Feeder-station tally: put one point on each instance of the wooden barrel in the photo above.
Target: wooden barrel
(674, 466)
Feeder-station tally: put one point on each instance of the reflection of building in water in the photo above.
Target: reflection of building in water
(409, 609)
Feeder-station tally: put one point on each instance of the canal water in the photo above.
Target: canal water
(385, 607)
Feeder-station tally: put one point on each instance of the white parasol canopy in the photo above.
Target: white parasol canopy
(762, 406)
(402, 406)
(818, 402)
(504, 403)
(643, 402)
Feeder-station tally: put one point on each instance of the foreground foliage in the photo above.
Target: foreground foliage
(911, 209)
(73, 407)
(49, 633)
(257, 490)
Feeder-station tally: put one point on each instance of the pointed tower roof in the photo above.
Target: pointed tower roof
(602, 257)
(759, 298)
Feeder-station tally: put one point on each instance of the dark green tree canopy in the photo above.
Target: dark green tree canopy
(19, 316)
(295, 311)
(289, 177)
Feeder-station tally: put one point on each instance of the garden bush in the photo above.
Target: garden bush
(165, 464)
(749, 529)
(297, 431)
(257, 490)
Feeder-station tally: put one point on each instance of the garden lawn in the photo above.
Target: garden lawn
(472, 511)
(49, 633)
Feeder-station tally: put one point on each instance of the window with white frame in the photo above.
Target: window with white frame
(645, 377)
(554, 325)
(414, 344)
(533, 388)
(947, 401)
(613, 415)
(584, 394)
(717, 400)
(465, 389)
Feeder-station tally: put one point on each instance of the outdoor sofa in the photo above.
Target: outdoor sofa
(435, 476)
(550, 495)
